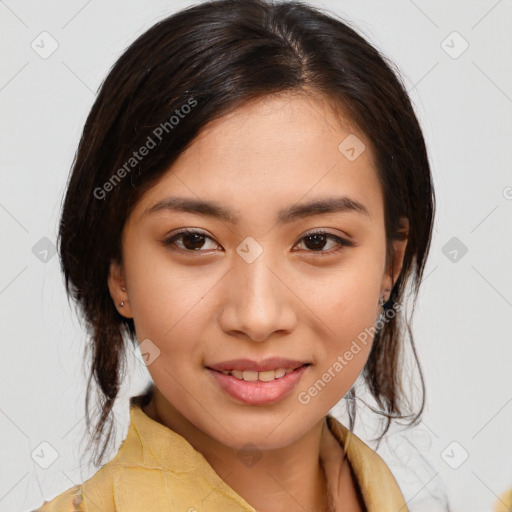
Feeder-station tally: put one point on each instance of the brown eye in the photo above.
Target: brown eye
(190, 241)
(316, 242)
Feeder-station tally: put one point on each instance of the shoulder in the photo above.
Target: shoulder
(96, 490)
(68, 501)
(504, 503)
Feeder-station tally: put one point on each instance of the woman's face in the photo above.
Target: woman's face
(253, 281)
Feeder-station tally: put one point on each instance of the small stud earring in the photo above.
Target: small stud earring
(121, 304)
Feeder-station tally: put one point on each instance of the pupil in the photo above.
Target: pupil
(195, 238)
(316, 239)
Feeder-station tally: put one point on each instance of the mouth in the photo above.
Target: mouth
(253, 387)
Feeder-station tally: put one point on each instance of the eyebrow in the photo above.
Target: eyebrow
(284, 216)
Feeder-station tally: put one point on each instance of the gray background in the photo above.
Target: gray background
(463, 319)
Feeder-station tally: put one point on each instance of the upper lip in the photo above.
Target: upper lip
(271, 363)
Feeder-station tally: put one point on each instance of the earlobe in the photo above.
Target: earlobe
(117, 287)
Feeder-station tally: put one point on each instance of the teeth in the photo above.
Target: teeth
(252, 376)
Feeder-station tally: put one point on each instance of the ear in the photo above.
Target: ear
(394, 265)
(117, 288)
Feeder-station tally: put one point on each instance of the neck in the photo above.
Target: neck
(290, 478)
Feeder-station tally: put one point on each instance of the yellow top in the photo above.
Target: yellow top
(504, 503)
(158, 469)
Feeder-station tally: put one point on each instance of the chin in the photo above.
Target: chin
(265, 429)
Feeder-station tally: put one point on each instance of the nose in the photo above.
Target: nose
(257, 301)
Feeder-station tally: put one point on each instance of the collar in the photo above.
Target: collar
(155, 447)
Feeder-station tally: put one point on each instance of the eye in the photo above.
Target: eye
(190, 240)
(318, 240)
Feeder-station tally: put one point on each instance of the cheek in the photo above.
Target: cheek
(352, 309)
(170, 308)
(349, 307)
(351, 317)
(347, 298)
(164, 298)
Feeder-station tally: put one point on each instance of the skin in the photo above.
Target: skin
(297, 299)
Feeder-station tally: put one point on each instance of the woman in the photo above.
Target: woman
(250, 198)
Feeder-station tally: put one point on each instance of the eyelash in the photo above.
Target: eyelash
(342, 242)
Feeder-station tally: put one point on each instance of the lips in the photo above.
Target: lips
(258, 391)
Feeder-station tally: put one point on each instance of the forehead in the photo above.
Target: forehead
(273, 152)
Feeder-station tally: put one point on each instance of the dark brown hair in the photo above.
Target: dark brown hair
(216, 56)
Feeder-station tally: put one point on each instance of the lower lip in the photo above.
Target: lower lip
(258, 392)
